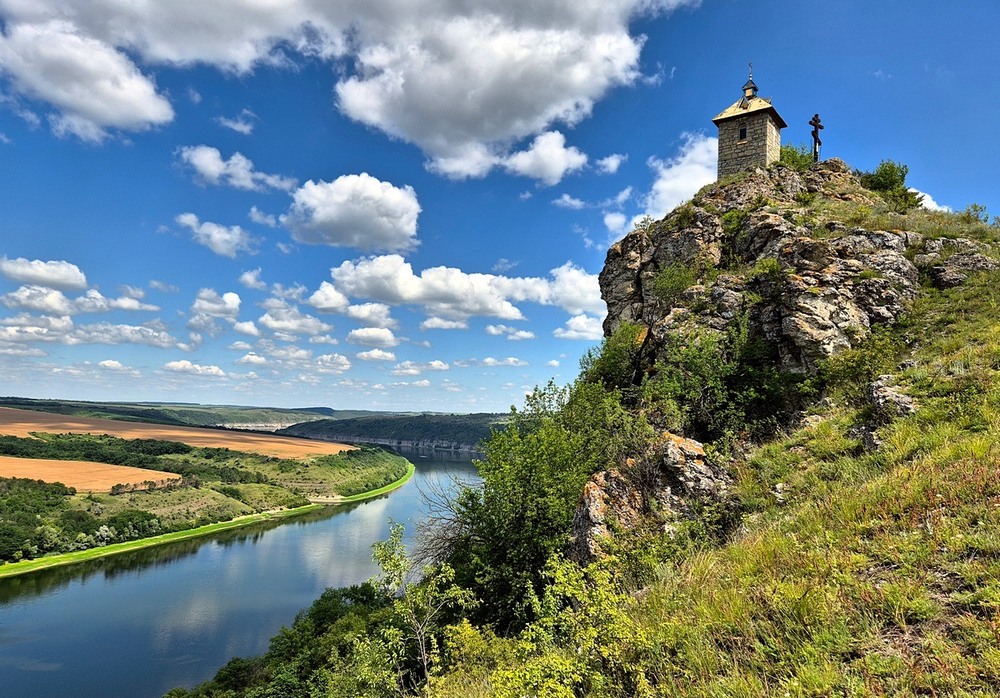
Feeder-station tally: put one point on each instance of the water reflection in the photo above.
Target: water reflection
(140, 623)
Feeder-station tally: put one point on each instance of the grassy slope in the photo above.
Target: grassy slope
(853, 574)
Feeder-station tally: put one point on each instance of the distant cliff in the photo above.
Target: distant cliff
(447, 432)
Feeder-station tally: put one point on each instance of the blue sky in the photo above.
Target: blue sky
(404, 204)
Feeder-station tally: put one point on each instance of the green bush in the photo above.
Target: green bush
(888, 180)
(798, 157)
(672, 281)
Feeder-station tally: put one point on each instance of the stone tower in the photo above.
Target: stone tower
(749, 133)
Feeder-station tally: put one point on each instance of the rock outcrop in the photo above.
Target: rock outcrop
(811, 289)
(650, 491)
(806, 280)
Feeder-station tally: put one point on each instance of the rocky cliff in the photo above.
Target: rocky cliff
(799, 261)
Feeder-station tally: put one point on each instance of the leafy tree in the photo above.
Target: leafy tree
(798, 157)
(888, 180)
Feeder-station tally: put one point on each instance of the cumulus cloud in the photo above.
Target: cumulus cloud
(247, 327)
(376, 355)
(93, 85)
(281, 316)
(436, 323)
(328, 299)
(251, 279)
(611, 163)
(226, 241)
(680, 177)
(252, 359)
(261, 218)
(412, 368)
(570, 202)
(185, 366)
(547, 159)
(237, 172)
(512, 333)
(461, 81)
(371, 315)
(25, 328)
(51, 274)
(209, 302)
(53, 302)
(581, 327)
(615, 222)
(451, 296)
(113, 366)
(333, 363)
(356, 211)
(380, 337)
(490, 362)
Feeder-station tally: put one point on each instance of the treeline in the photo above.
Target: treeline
(365, 469)
(36, 518)
(467, 430)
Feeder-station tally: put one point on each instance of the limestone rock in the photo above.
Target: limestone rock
(956, 269)
(887, 402)
(650, 492)
(834, 283)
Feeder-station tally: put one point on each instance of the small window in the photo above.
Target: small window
(743, 133)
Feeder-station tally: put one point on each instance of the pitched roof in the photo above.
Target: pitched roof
(750, 105)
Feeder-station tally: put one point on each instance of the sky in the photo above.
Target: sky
(405, 204)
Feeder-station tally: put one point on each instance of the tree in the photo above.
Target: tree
(888, 180)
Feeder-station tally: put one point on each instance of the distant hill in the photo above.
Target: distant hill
(452, 432)
(179, 414)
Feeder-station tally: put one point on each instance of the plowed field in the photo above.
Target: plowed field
(100, 477)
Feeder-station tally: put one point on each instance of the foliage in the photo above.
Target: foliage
(671, 281)
(798, 157)
(533, 473)
(615, 363)
(464, 430)
(889, 181)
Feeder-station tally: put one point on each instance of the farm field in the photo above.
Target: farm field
(22, 423)
(82, 475)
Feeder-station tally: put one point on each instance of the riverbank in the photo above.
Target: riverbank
(12, 569)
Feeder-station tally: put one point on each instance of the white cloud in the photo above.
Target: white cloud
(371, 314)
(611, 163)
(615, 222)
(222, 240)
(512, 333)
(554, 363)
(333, 363)
(680, 177)
(209, 302)
(251, 279)
(185, 366)
(248, 328)
(373, 337)
(461, 81)
(163, 287)
(581, 327)
(412, 368)
(328, 299)
(449, 294)
(490, 362)
(284, 317)
(54, 302)
(51, 274)
(570, 202)
(261, 218)
(237, 172)
(356, 211)
(113, 366)
(376, 355)
(436, 323)
(93, 85)
(243, 123)
(929, 203)
(252, 359)
(547, 159)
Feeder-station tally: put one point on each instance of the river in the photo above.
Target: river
(138, 624)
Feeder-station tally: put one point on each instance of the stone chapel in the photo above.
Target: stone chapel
(749, 133)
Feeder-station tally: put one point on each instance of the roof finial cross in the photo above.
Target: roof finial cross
(751, 69)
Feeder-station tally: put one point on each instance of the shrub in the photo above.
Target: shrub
(798, 157)
(672, 281)
(888, 180)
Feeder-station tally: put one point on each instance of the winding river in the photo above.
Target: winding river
(138, 624)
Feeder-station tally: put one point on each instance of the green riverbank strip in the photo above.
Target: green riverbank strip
(12, 569)
(410, 470)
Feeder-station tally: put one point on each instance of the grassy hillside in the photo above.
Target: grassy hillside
(857, 554)
(217, 484)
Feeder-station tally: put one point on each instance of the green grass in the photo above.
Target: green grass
(15, 568)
